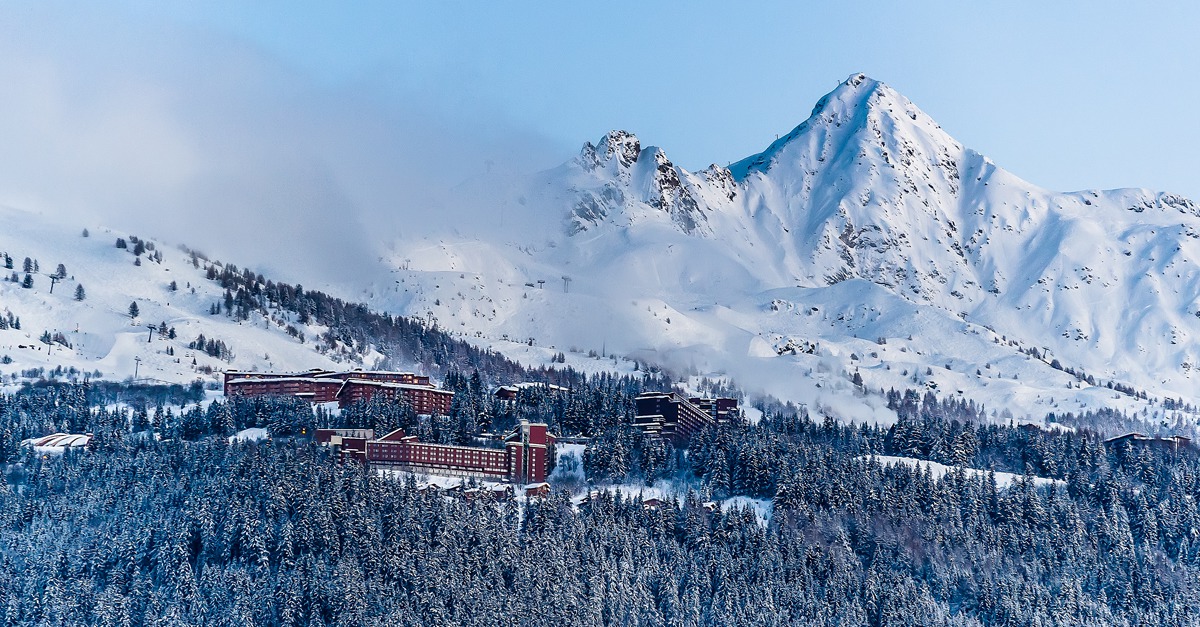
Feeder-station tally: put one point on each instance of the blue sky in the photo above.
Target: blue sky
(160, 112)
(1066, 94)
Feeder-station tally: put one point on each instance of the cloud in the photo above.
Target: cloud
(194, 137)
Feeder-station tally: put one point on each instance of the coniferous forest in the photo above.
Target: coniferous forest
(191, 529)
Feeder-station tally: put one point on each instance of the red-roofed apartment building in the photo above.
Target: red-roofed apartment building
(324, 386)
(523, 459)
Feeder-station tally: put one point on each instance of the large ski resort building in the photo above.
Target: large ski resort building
(674, 417)
(325, 386)
(524, 458)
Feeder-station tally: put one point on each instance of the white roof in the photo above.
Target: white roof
(62, 440)
(1135, 435)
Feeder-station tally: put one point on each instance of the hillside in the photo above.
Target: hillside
(98, 337)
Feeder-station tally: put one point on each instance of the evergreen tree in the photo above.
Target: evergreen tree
(197, 531)
(80, 294)
(133, 309)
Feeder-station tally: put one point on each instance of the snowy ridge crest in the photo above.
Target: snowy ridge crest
(622, 181)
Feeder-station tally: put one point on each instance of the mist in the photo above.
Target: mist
(196, 138)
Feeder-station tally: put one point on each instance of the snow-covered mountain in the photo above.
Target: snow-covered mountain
(97, 334)
(865, 243)
(865, 240)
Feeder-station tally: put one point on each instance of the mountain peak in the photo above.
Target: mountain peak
(637, 183)
(856, 91)
(622, 145)
(856, 103)
(859, 83)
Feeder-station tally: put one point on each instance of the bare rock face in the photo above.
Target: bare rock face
(630, 183)
(622, 146)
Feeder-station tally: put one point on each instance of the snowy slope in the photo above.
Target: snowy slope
(99, 330)
(866, 239)
(1004, 480)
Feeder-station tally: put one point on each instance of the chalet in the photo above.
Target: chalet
(501, 492)
(537, 490)
(506, 393)
(653, 503)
